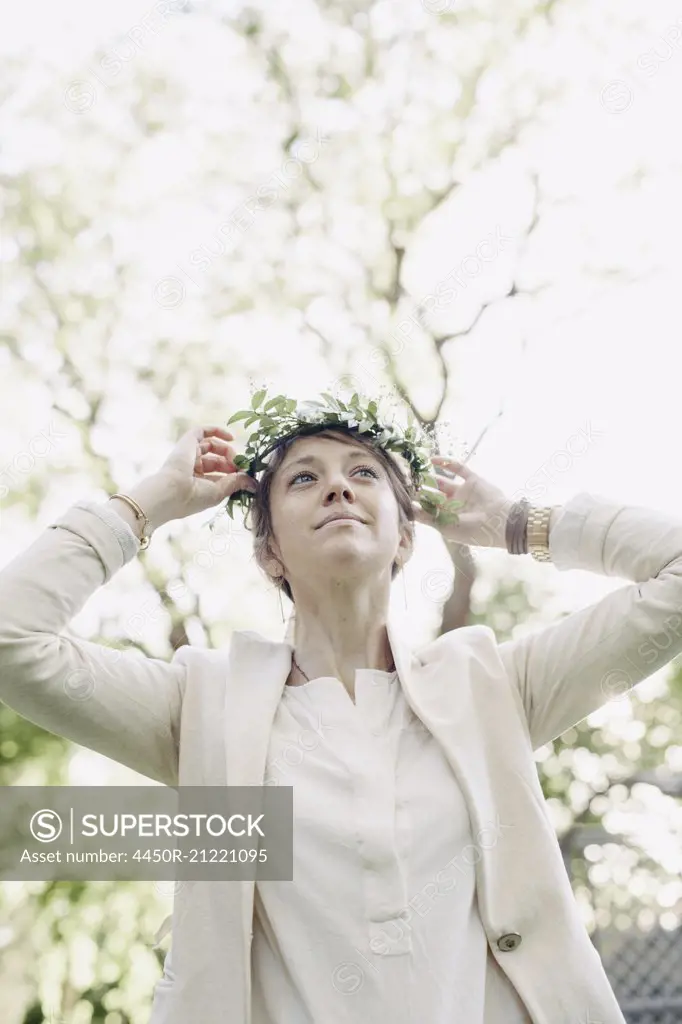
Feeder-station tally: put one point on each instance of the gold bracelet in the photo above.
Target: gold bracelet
(538, 533)
(145, 538)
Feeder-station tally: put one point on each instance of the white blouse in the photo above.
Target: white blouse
(381, 919)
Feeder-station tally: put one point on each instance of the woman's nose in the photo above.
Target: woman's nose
(340, 486)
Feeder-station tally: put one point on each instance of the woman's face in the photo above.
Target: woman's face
(320, 476)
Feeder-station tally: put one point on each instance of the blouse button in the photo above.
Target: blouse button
(512, 940)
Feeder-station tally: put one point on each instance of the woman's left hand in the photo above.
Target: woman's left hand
(483, 515)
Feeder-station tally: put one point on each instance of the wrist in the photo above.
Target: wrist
(497, 524)
(521, 537)
(153, 497)
(501, 533)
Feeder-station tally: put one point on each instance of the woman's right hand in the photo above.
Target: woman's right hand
(199, 473)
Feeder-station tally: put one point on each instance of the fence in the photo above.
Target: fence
(644, 966)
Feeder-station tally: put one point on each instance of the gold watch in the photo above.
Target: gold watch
(538, 532)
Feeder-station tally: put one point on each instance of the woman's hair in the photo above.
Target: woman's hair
(399, 478)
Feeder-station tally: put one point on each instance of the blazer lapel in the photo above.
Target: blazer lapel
(256, 675)
(452, 695)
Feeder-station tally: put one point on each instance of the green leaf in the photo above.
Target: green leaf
(330, 399)
(274, 402)
(372, 408)
(241, 461)
(252, 419)
(242, 414)
(447, 518)
(258, 398)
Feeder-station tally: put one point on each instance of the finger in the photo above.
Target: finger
(245, 482)
(468, 519)
(448, 487)
(213, 476)
(445, 486)
(453, 464)
(211, 459)
(218, 463)
(216, 444)
(218, 432)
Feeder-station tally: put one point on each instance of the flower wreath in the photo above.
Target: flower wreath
(281, 418)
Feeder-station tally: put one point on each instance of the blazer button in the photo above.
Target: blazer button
(512, 940)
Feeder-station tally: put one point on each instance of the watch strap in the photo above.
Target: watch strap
(538, 532)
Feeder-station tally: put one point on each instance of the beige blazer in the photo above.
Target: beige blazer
(204, 718)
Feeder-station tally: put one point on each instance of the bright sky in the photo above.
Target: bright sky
(602, 356)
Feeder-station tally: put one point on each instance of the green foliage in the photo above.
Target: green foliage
(281, 418)
(586, 772)
(77, 296)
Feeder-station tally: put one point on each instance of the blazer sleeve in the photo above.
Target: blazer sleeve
(120, 703)
(566, 671)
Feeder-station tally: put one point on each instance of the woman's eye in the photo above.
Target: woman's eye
(304, 472)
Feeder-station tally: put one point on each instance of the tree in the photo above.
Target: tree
(213, 198)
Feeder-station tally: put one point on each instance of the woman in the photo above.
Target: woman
(428, 883)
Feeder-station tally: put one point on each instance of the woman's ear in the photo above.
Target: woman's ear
(274, 568)
(406, 547)
(272, 562)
